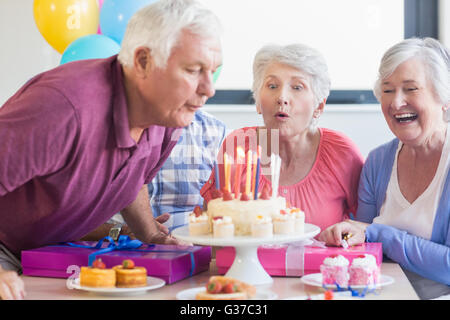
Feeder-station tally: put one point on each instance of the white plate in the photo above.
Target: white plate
(189, 294)
(315, 279)
(152, 283)
(182, 233)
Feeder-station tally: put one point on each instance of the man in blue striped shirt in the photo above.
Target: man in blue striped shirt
(176, 187)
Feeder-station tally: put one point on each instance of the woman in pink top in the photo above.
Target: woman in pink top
(320, 167)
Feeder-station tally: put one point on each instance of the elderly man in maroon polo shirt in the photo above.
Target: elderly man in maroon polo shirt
(80, 142)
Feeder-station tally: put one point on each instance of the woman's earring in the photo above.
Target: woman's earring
(446, 112)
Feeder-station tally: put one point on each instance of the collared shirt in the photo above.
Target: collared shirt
(68, 162)
(176, 187)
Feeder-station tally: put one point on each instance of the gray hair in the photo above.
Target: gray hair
(159, 25)
(436, 59)
(299, 56)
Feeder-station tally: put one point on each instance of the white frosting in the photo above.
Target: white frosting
(338, 261)
(283, 217)
(262, 220)
(298, 214)
(200, 218)
(223, 220)
(369, 261)
(244, 213)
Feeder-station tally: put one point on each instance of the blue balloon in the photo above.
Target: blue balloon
(93, 46)
(115, 14)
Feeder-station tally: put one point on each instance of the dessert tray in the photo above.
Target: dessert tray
(246, 266)
(189, 294)
(315, 279)
(152, 283)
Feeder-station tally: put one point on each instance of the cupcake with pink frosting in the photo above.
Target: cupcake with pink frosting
(334, 270)
(364, 270)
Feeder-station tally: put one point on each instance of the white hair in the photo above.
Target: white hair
(435, 57)
(299, 56)
(159, 25)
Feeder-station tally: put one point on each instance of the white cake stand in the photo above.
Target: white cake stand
(246, 265)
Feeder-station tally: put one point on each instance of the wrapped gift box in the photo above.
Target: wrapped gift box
(168, 262)
(292, 260)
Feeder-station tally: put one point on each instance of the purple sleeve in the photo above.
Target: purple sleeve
(38, 128)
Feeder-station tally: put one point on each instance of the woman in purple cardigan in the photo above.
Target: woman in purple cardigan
(404, 191)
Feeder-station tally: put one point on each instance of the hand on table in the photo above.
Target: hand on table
(164, 236)
(11, 285)
(333, 235)
(160, 220)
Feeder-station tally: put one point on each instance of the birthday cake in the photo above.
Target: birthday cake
(247, 212)
(243, 213)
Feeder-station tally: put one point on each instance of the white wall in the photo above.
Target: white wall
(23, 51)
(364, 124)
(444, 22)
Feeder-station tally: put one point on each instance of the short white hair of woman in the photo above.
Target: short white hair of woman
(299, 56)
(159, 25)
(435, 57)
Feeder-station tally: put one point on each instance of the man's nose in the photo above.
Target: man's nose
(206, 85)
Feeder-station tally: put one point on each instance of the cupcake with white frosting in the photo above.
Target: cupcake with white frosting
(299, 220)
(223, 227)
(262, 226)
(198, 224)
(283, 223)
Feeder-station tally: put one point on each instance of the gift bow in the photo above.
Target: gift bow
(125, 243)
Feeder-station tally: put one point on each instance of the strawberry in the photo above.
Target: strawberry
(283, 212)
(197, 211)
(98, 263)
(229, 288)
(214, 287)
(328, 295)
(227, 196)
(245, 197)
(216, 194)
(217, 218)
(128, 264)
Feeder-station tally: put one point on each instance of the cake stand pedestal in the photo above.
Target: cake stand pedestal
(246, 265)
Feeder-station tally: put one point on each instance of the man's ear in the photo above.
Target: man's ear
(143, 61)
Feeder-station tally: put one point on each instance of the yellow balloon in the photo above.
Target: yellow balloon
(62, 21)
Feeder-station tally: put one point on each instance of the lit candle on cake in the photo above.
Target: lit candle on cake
(258, 168)
(240, 156)
(254, 165)
(216, 175)
(225, 172)
(249, 172)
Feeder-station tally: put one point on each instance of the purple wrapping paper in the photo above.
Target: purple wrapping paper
(54, 261)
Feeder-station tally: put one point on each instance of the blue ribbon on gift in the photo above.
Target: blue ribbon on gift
(125, 243)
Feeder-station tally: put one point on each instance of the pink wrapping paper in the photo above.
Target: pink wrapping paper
(63, 261)
(294, 260)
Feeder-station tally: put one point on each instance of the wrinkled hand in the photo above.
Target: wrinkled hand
(160, 220)
(332, 236)
(11, 285)
(163, 238)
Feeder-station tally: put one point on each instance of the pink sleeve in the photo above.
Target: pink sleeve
(348, 163)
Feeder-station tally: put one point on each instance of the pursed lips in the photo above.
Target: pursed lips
(282, 115)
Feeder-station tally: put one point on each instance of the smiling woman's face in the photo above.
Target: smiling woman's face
(286, 100)
(410, 107)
